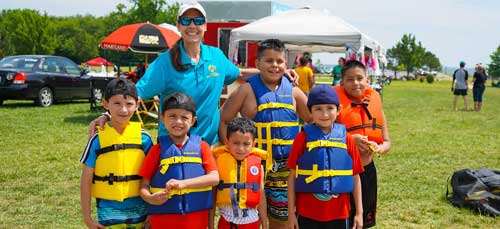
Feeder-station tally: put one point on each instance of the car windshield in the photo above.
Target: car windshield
(18, 62)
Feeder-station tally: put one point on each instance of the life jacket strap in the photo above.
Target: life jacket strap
(111, 178)
(314, 173)
(268, 140)
(364, 105)
(180, 191)
(324, 143)
(373, 125)
(275, 106)
(253, 186)
(165, 163)
(116, 147)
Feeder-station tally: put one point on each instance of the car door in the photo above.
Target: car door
(80, 87)
(56, 79)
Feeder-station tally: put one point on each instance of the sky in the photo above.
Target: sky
(454, 30)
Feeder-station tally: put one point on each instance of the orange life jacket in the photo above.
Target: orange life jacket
(362, 117)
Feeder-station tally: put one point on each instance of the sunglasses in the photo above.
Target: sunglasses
(186, 21)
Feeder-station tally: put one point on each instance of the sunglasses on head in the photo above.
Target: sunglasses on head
(185, 21)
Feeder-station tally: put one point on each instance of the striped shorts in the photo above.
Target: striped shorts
(276, 189)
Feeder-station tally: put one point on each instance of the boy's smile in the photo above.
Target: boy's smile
(178, 122)
(324, 116)
(272, 66)
(354, 82)
(121, 108)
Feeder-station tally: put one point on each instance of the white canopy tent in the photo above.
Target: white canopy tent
(307, 30)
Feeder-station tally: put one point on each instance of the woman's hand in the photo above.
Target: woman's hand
(292, 76)
(98, 122)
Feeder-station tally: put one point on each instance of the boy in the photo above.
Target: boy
(273, 105)
(179, 172)
(112, 159)
(364, 118)
(324, 166)
(240, 193)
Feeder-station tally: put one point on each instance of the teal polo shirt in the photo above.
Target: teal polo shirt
(203, 81)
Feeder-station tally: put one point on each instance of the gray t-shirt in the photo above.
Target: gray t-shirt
(460, 76)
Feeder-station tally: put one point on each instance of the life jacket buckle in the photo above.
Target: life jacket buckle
(118, 147)
(111, 178)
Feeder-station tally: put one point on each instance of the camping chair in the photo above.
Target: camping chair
(148, 108)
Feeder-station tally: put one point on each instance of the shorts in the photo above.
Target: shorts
(276, 189)
(369, 195)
(477, 93)
(113, 215)
(333, 224)
(224, 224)
(462, 92)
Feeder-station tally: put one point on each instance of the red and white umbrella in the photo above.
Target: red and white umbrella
(98, 61)
(141, 37)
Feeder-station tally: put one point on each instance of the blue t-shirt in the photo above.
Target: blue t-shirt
(203, 81)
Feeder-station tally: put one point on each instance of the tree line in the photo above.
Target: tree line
(409, 55)
(26, 31)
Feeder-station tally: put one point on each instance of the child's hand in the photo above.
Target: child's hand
(358, 221)
(92, 224)
(175, 184)
(362, 143)
(374, 147)
(158, 198)
(292, 222)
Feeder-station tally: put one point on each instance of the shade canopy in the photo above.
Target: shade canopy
(306, 30)
(141, 37)
(98, 61)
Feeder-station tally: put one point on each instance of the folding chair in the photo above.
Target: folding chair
(148, 108)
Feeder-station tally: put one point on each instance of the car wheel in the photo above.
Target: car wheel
(97, 95)
(45, 97)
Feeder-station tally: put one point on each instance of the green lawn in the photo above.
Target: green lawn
(40, 149)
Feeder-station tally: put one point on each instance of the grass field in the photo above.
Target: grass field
(40, 149)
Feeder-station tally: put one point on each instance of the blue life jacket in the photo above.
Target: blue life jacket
(276, 120)
(325, 167)
(180, 164)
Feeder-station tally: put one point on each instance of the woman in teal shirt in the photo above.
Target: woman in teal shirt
(194, 68)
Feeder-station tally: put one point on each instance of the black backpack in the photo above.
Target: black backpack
(478, 190)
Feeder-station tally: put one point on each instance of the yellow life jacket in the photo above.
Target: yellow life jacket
(239, 181)
(118, 163)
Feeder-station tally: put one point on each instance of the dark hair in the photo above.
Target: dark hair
(243, 125)
(175, 57)
(303, 60)
(120, 86)
(179, 100)
(343, 59)
(352, 64)
(274, 44)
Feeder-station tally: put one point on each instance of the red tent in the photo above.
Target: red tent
(98, 61)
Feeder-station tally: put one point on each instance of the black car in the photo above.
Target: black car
(45, 79)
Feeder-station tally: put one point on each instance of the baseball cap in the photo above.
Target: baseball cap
(120, 86)
(179, 100)
(462, 63)
(192, 5)
(322, 94)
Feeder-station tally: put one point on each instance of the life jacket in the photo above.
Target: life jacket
(325, 167)
(276, 121)
(240, 181)
(118, 163)
(363, 118)
(180, 164)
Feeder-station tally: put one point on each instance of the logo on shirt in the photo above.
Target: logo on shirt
(254, 170)
(212, 73)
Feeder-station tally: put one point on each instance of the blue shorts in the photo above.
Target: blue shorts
(477, 93)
